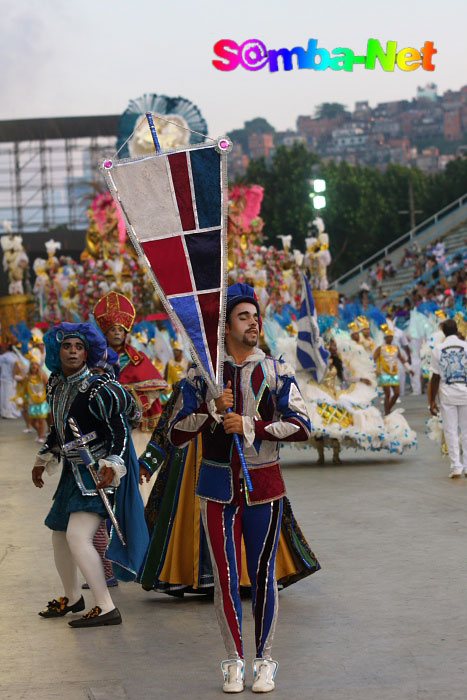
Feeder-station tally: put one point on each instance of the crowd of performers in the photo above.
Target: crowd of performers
(163, 449)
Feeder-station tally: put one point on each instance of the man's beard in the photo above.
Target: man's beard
(249, 340)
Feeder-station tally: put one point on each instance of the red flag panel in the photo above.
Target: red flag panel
(168, 261)
(181, 181)
(210, 309)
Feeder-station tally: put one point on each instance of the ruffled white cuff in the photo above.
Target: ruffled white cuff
(213, 411)
(117, 464)
(248, 430)
(49, 461)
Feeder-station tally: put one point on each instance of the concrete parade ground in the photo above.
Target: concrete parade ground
(385, 618)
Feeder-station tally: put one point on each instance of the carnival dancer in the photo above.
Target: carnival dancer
(402, 342)
(176, 369)
(178, 559)
(338, 378)
(33, 396)
(365, 334)
(98, 407)
(20, 371)
(115, 315)
(434, 338)
(341, 406)
(354, 330)
(386, 358)
(449, 367)
(109, 365)
(8, 383)
(267, 410)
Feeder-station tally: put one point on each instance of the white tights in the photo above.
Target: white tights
(73, 549)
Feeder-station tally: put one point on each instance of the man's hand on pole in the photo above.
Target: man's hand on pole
(226, 400)
(233, 423)
(106, 476)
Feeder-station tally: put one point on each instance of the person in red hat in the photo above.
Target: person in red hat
(115, 314)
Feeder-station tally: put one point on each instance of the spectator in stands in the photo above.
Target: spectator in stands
(408, 258)
(388, 269)
(429, 263)
(401, 315)
(449, 300)
(460, 287)
(418, 269)
(422, 290)
(372, 277)
(407, 305)
(438, 250)
(365, 299)
(439, 295)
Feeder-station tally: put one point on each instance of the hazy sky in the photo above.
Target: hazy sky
(86, 57)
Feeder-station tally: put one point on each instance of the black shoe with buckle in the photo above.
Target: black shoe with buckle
(60, 607)
(94, 618)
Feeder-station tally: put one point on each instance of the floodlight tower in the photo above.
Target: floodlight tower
(318, 187)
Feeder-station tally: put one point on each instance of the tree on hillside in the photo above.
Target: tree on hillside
(239, 136)
(330, 110)
(287, 207)
(363, 204)
(446, 186)
(258, 125)
(398, 181)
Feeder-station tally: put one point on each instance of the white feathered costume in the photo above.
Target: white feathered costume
(344, 410)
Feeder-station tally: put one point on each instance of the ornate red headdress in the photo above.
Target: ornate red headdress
(114, 309)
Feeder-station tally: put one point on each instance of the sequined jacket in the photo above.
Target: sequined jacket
(267, 397)
(97, 403)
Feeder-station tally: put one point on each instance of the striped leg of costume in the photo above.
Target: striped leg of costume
(100, 542)
(260, 525)
(261, 529)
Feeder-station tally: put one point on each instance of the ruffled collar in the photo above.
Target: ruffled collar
(256, 356)
(77, 376)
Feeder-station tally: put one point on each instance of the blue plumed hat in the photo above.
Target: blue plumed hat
(238, 293)
(94, 342)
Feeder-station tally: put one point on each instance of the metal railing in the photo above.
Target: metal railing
(405, 238)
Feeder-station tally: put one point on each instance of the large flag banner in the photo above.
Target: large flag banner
(175, 208)
(311, 352)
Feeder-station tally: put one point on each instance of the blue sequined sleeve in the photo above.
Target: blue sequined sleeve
(109, 403)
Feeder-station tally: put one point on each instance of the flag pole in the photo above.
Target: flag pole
(157, 145)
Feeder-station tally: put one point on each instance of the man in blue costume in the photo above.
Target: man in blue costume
(100, 404)
(267, 409)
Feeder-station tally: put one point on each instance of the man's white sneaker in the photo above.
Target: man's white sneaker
(455, 473)
(264, 672)
(234, 675)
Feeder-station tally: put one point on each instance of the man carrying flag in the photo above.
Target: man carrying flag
(175, 208)
(311, 352)
(266, 408)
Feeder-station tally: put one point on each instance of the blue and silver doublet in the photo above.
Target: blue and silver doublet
(100, 405)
